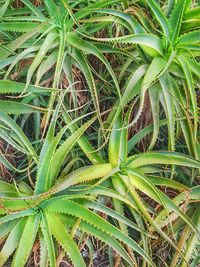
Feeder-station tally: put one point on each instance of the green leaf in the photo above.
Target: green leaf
(7, 189)
(11, 87)
(155, 70)
(86, 69)
(18, 26)
(141, 134)
(4, 8)
(74, 40)
(161, 181)
(6, 228)
(85, 145)
(33, 8)
(66, 241)
(142, 182)
(162, 157)
(61, 153)
(169, 110)
(189, 38)
(48, 240)
(72, 208)
(18, 42)
(157, 12)
(84, 174)
(13, 126)
(12, 241)
(191, 89)
(26, 242)
(108, 239)
(185, 123)
(148, 40)
(94, 205)
(136, 27)
(115, 142)
(50, 38)
(13, 107)
(176, 17)
(17, 215)
(154, 92)
(193, 241)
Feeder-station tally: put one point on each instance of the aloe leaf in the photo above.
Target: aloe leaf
(157, 12)
(18, 42)
(43, 252)
(12, 241)
(61, 153)
(46, 65)
(13, 125)
(88, 47)
(169, 110)
(170, 5)
(152, 74)
(13, 141)
(22, 27)
(7, 189)
(136, 27)
(148, 40)
(161, 181)
(85, 145)
(25, 53)
(100, 190)
(185, 123)
(108, 239)
(115, 141)
(39, 57)
(113, 214)
(72, 208)
(154, 92)
(192, 195)
(66, 241)
(58, 68)
(87, 10)
(154, 224)
(49, 168)
(189, 81)
(13, 107)
(7, 164)
(4, 8)
(144, 184)
(189, 38)
(11, 87)
(6, 228)
(26, 242)
(193, 241)
(34, 9)
(86, 69)
(42, 181)
(48, 240)
(84, 174)
(176, 17)
(141, 134)
(52, 8)
(131, 89)
(162, 157)
(17, 215)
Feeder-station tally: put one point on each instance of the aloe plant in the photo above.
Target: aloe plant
(79, 171)
(168, 68)
(36, 211)
(51, 43)
(39, 209)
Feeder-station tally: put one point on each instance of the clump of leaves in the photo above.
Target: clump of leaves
(56, 206)
(167, 68)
